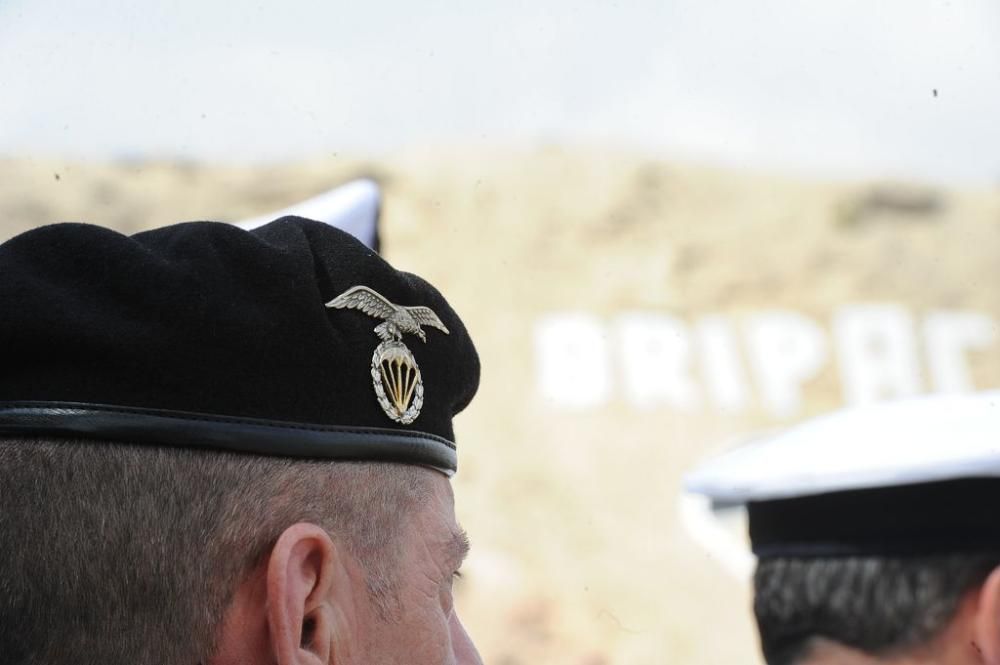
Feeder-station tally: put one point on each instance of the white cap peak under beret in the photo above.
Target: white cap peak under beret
(912, 476)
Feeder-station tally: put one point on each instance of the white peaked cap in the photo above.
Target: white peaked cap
(927, 439)
(353, 207)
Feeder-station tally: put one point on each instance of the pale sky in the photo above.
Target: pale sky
(844, 88)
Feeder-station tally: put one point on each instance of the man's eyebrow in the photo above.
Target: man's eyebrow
(458, 547)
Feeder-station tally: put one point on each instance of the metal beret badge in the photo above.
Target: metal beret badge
(396, 378)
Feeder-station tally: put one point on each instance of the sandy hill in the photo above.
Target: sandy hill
(579, 554)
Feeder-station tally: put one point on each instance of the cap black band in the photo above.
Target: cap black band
(922, 519)
(251, 435)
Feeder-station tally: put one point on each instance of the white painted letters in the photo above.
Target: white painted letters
(877, 349)
(656, 361)
(660, 361)
(574, 367)
(725, 378)
(948, 335)
(786, 350)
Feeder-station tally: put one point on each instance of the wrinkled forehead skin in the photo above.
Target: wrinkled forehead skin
(433, 524)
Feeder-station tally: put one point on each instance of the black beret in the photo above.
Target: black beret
(203, 334)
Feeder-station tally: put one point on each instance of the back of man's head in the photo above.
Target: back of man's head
(130, 554)
(227, 447)
(879, 607)
(874, 533)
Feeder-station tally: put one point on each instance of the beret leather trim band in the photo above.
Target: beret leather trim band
(250, 435)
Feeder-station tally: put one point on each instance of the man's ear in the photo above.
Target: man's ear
(987, 621)
(309, 597)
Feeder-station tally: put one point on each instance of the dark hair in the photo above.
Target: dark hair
(119, 554)
(876, 605)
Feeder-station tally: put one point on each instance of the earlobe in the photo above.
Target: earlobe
(301, 576)
(987, 621)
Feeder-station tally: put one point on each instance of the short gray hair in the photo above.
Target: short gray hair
(880, 606)
(121, 554)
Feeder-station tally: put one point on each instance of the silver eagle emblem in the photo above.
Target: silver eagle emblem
(399, 319)
(396, 377)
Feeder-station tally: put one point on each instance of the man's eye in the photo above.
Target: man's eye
(447, 600)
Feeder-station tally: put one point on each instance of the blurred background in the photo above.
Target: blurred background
(669, 226)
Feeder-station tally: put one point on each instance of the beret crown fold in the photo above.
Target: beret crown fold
(204, 334)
